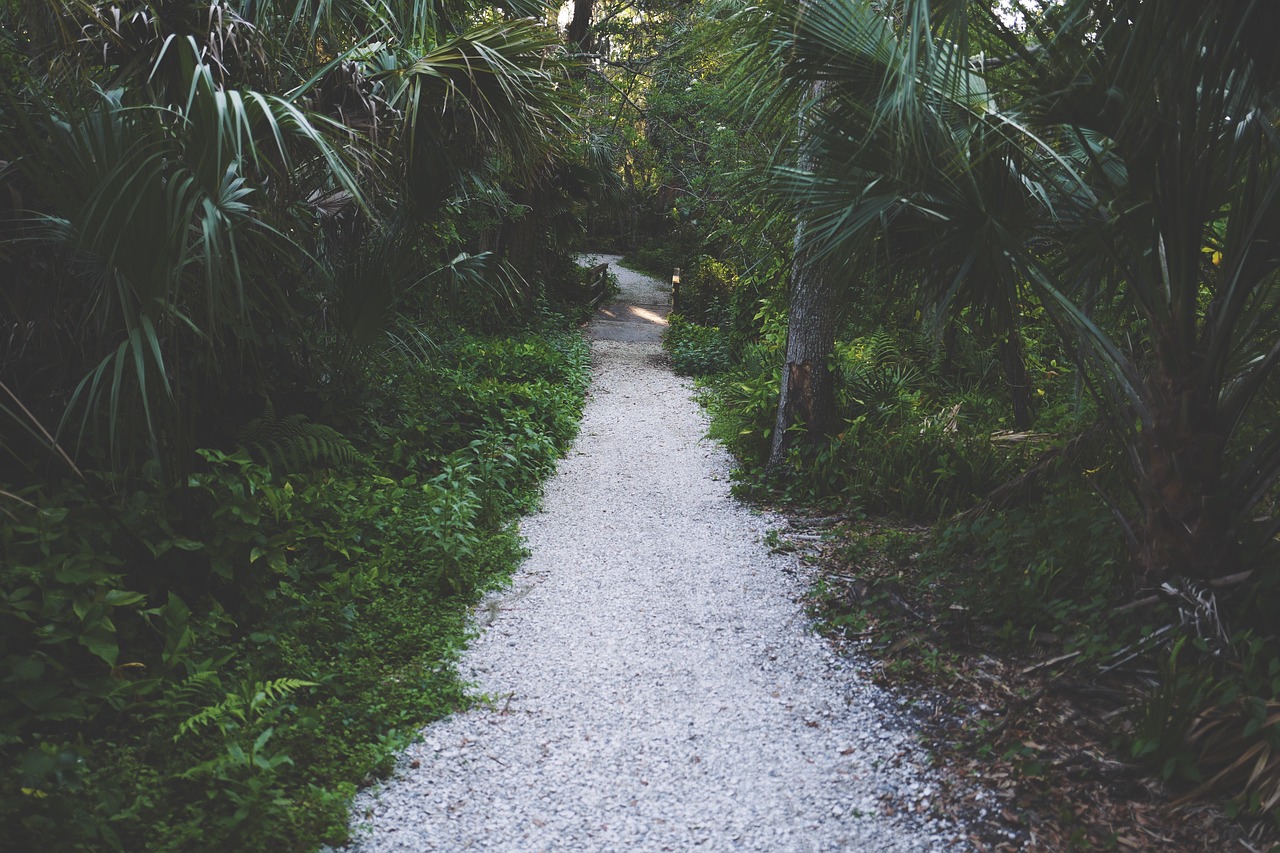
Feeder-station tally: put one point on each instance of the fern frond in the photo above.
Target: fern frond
(237, 710)
(270, 692)
(192, 692)
(218, 715)
(294, 443)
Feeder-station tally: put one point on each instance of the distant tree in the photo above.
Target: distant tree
(579, 31)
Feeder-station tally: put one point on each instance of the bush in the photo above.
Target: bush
(911, 444)
(1047, 564)
(695, 350)
(217, 664)
(657, 259)
(705, 289)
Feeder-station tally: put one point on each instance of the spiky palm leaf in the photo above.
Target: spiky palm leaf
(496, 87)
(1084, 192)
(370, 285)
(161, 209)
(1235, 748)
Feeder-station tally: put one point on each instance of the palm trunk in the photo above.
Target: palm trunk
(1187, 529)
(808, 388)
(807, 395)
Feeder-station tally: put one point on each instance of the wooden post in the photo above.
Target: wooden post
(675, 291)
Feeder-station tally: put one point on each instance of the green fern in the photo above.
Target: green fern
(293, 442)
(256, 700)
(201, 682)
(879, 349)
(179, 698)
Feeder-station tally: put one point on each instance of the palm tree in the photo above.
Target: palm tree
(1176, 109)
(883, 113)
(183, 215)
(1116, 151)
(159, 211)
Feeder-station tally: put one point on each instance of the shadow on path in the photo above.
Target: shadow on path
(639, 314)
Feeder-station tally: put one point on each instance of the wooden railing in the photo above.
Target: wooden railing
(599, 278)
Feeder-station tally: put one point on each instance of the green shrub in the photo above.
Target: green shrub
(922, 467)
(744, 406)
(1046, 564)
(705, 288)
(911, 444)
(216, 665)
(695, 350)
(657, 259)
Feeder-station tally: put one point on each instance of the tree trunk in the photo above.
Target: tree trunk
(1013, 366)
(1187, 529)
(631, 212)
(579, 32)
(808, 388)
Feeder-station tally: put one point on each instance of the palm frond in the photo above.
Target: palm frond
(498, 86)
(163, 211)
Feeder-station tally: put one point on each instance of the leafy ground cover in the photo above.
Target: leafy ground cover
(228, 683)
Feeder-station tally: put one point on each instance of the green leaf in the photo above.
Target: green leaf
(263, 738)
(101, 643)
(28, 669)
(122, 598)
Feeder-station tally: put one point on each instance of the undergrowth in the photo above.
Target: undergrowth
(218, 665)
(985, 564)
(1028, 683)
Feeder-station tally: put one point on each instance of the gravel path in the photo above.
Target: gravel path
(653, 683)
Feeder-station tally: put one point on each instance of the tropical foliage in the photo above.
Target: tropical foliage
(1145, 247)
(196, 208)
(283, 288)
(284, 294)
(1056, 215)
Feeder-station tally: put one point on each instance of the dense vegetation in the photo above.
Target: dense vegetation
(288, 344)
(285, 299)
(1037, 240)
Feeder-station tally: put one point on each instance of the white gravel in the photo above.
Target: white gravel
(652, 680)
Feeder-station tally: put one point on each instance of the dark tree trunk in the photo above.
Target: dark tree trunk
(808, 389)
(579, 32)
(1013, 366)
(1187, 528)
(519, 237)
(631, 212)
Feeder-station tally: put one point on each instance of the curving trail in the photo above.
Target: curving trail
(653, 682)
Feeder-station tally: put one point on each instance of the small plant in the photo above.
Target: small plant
(774, 541)
(294, 443)
(695, 350)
